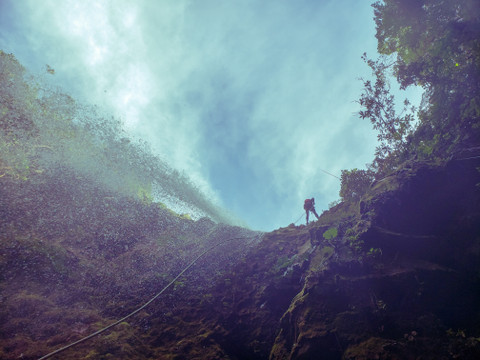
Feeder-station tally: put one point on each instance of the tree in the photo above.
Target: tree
(379, 106)
(354, 183)
(437, 46)
(17, 98)
(43, 130)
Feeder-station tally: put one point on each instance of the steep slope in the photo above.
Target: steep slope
(394, 277)
(74, 256)
(414, 289)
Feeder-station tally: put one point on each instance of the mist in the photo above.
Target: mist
(249, 100)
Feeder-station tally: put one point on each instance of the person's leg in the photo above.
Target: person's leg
(307, 215)
(315, 213)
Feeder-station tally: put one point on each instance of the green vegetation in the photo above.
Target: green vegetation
(374, 253)
(437, 47)
(320, 258)
(353, 241)
(330, 233)
(83, 245)
(434, 45)
(283, 262)
(42, 130)
(82, 240)
(355, 183)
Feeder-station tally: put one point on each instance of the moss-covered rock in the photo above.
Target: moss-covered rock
(395, 276)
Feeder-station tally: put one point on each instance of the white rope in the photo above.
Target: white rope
(326, 172)
(299, 218)
(141, 307)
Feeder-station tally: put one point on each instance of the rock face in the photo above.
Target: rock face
(395, 276)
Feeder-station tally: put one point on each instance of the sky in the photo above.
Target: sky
(253, 100)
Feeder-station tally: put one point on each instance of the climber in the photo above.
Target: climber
(309, 205)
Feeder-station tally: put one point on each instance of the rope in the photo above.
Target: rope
(303, 213)
(141, 307)
(326, 172)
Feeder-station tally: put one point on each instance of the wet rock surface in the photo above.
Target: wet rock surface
(395, 276)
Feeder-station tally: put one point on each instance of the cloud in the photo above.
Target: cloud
(251, 99)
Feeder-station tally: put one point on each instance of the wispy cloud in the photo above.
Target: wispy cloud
(250, 98)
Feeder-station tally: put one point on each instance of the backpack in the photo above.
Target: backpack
(307, 205)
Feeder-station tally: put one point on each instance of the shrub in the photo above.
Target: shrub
(355, 183)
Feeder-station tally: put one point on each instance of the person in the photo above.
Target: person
(309, 205)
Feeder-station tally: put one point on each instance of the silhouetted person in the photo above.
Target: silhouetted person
(309, 205)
